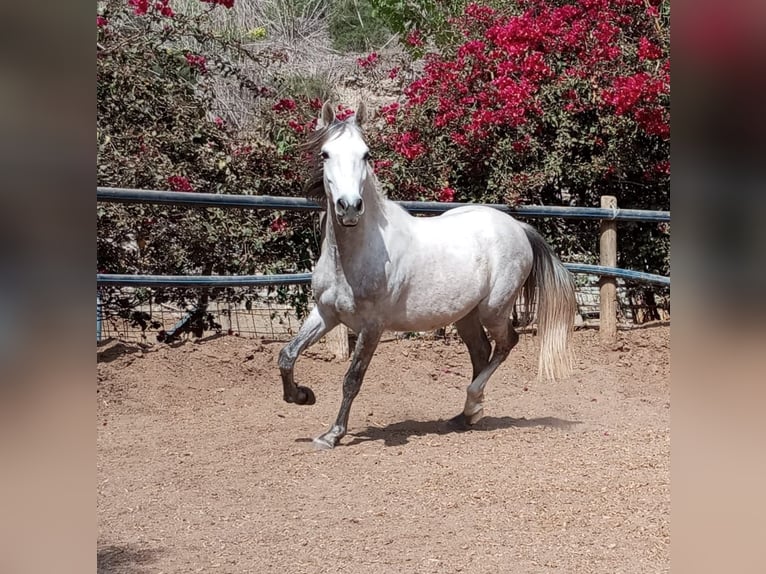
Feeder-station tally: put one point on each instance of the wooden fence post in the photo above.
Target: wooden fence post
(338, 340)
(608, 258)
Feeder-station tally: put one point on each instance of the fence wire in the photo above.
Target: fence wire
(148, 315)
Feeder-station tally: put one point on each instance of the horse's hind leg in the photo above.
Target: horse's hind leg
(505, 337)
(315, 326)
(475, 338)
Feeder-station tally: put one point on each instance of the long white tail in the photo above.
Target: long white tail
(556, 309)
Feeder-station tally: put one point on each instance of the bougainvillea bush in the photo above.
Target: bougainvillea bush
(531, 101)
(157, 128)
(545, 102)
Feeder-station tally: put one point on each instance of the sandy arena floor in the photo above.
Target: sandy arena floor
(203, 468)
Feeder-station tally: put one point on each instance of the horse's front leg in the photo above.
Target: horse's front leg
(366, 344)
(315, 326)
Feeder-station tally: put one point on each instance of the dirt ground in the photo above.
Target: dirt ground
(203, 468)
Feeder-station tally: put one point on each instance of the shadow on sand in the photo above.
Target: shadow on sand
(398, 434)
(114, 559)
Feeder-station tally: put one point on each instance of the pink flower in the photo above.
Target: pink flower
(218, 121)
(447, 194)
(243, 150)
(389, 112)
(226, 3)
(647, 50)
(369, 61)
(140, 7)
(179, 183)
(393, 73)
(196, 61)
(414, 39)
(284, 105)
(409, 145)
(101, 22)
(278, 225)
(164, 8)
(343, 112)
(297, 127)
(380, 164)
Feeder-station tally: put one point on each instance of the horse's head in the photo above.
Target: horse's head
(345, 163)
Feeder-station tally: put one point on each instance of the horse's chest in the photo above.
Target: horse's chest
(349, 292)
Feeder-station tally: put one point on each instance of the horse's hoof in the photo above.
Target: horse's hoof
(323, 443)
(475, 417)
(463, 423)
(304, 396)
(458, 423)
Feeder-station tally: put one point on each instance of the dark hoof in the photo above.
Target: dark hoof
(304, 396)
(463, 423)
(458, 423)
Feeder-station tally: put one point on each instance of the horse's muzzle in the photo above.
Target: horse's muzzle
(348, 214)
(348, 221)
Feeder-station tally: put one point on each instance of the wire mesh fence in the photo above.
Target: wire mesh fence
(149, 315)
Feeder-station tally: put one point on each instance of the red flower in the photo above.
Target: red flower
(278, 225)
(389, 112)
(196, 61)
(243, 150)
(414, 39)
(284, 105)
(392, 73)
(140, 7)
(662, 167)
(647, 50)
(459, 138)
(226, 3)
(163, 8)
(408, 145)
(179, 183)
(101, 22)
(380, 164)
(295, 126)
(369, 61)
(447, 194)
(343, 112)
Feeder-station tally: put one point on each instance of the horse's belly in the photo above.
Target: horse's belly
(433, 307)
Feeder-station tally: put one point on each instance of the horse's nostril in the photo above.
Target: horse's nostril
(358, 204)
(342, 204)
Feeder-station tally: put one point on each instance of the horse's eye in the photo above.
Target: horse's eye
(366, 156)
(324, 155)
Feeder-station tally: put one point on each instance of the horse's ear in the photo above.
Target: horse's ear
(361, 115)
(328, 115)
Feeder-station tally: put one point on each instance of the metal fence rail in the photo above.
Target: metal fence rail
(120, 195)
(305, 278)
(608, 214)
(202, 280)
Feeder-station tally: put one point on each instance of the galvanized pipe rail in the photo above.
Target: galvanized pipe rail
(123, 280)
(121, 195)
(608, 214)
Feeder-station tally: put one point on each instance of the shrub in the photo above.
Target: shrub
(551, 102)
(156, 129)
(355, 27)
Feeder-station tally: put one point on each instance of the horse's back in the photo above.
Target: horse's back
(443, 267)
(484, 227)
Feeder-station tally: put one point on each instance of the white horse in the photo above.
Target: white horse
(383, 269)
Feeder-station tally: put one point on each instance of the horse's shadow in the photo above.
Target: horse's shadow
(125, 559)
(398, 434)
